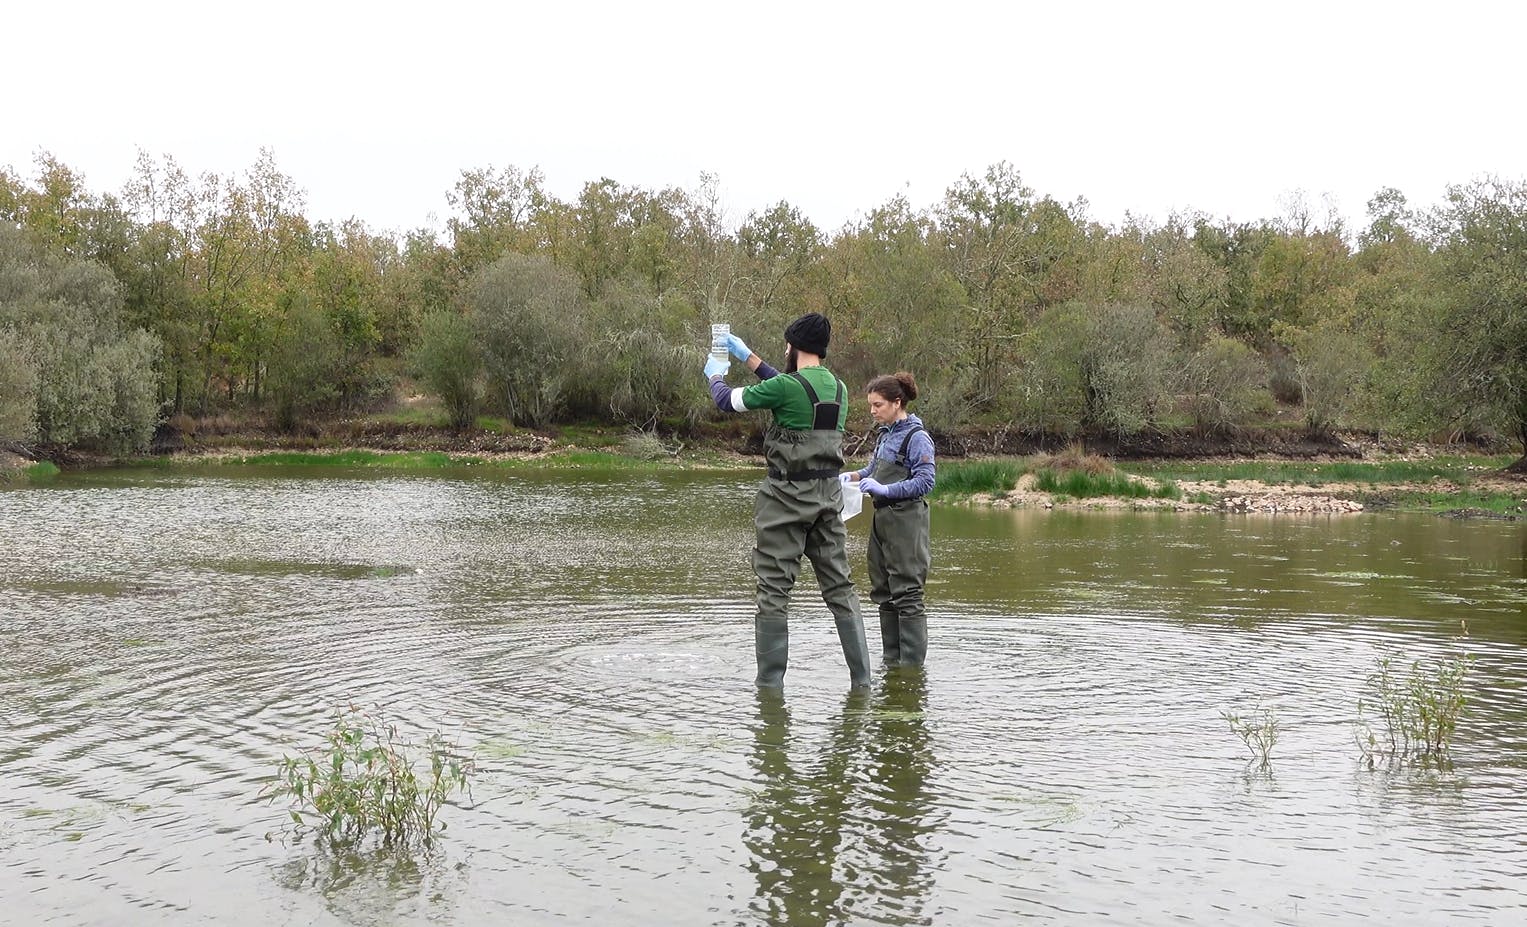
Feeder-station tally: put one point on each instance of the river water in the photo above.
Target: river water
(170, 634)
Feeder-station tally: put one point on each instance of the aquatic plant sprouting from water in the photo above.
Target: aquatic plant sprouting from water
(1259, 732)
(1417, 711)
(362, 781)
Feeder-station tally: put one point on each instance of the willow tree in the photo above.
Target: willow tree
(1479, 353)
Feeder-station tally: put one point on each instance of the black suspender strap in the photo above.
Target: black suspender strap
(811, 394)
(906, 442)
(824, 415)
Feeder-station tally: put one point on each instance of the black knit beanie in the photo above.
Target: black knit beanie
(810, 333)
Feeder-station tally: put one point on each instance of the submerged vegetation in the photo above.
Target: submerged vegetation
(1417, 711)
(1258, 731)
(368, 781)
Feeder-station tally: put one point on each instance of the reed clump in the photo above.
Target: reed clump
(1080, 484)
(969, 477)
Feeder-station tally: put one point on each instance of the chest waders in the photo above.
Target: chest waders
(899, 557)
(795, 513)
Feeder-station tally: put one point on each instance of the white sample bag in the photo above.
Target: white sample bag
(853, 499)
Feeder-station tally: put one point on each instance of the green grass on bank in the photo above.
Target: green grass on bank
(1299, 473)
(437, 460)
(1442, 503)
(410, 460)
(1079, 484)
(968, 477)
(33, 473)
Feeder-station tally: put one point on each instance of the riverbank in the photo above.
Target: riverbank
(1333, 477)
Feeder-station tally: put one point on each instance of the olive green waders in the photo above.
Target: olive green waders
(899, 557)
(800, 516)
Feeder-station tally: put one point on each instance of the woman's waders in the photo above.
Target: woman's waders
(899, 557)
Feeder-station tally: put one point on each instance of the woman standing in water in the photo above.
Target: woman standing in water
(899, 478)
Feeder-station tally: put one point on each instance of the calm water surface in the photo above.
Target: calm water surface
(168, 636)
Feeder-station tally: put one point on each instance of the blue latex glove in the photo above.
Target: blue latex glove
(715, 367)
(874, 487)
(739, 350)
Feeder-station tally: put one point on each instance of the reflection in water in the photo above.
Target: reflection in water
(840, 835)
(901, 764)
(369, 885)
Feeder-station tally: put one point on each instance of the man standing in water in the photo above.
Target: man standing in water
(796, 511)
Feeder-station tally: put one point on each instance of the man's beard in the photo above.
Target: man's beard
(790, 359)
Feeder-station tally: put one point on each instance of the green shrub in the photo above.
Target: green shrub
(1094, 366)
(1418, 711)
(82, 376)
(529, 317)
(449, 362)
(363, 782)
(18, 390)
(1258, 731)
(1226, 383)
(303, 365)
(644, 377)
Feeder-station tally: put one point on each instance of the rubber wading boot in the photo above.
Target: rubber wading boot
(856, 653)
(771, 642)
(890, 635)
(914, 641)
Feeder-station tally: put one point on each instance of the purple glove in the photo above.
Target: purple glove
(874, 487)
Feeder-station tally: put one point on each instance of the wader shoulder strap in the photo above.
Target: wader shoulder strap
(824, 415)
(907, 442)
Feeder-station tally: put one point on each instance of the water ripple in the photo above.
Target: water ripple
(1064, 759)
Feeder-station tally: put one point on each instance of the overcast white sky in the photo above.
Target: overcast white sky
(1146, 107)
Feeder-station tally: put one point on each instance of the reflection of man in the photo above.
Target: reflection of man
(796, 822)
(842, 836)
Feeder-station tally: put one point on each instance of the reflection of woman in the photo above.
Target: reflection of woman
(844, 839)
(900, 765)
(899, 477)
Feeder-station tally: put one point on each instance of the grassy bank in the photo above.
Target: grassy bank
(441, 461)
(1302, 473)
(1469, 485)
(965, 478)
(1079, 484)
(28, 475)
(1464, 502)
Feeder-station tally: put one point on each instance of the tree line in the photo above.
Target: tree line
(187, 294)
